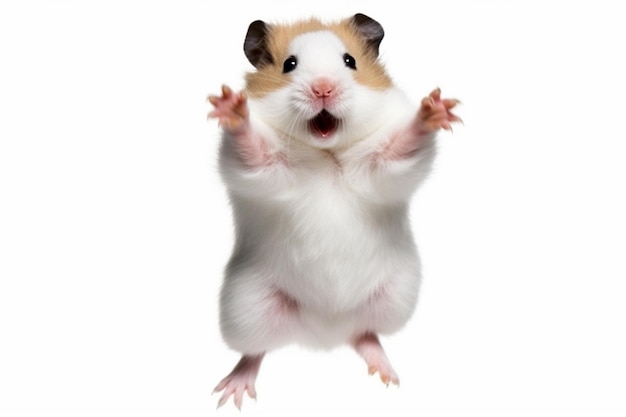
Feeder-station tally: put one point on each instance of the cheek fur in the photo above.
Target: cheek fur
(266, 81)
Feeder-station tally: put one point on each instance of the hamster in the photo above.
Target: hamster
(320, 154)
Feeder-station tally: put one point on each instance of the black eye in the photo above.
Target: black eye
(290, 64)
(349, 61)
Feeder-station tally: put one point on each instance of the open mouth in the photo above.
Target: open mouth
(324, 124)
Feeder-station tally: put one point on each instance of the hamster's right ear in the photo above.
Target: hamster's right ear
(255, 46)
(371, 31)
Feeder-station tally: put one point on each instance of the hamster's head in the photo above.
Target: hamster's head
(314, 82)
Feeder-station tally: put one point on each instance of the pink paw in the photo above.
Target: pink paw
(385, 371)
(369, 347)
(240, 380)
(435, 112)
(231, 109)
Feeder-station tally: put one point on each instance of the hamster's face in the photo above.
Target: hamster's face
(321, 92)
(319, 87)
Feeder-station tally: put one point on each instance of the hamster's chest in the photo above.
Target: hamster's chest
(326, 171)
(328, 211)
(325, 195)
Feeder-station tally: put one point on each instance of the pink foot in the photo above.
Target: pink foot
(369, 347)
(231, 109)
(435, 113)
(240, 380)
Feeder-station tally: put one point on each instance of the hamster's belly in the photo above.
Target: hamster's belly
(329, 249)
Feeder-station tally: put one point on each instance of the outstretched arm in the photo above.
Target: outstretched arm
(231, 109)
(406, 158)
(434, 114)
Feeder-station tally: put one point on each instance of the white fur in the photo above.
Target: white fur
(327, 224)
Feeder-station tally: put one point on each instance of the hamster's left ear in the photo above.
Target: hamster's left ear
(370, 30)
(255, 45)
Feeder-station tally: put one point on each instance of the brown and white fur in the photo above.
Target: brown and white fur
(321, 155)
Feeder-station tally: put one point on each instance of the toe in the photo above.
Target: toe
(251, 392)
(238, 399)
(428, 103)
(449, 103)
(224, 397)
(226, 91)
(435, 94)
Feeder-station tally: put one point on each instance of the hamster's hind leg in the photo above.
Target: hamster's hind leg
(255, 318)
(370, 349)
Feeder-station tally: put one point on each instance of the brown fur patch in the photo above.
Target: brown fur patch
(370, 71)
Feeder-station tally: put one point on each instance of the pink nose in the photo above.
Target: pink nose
(322, 87)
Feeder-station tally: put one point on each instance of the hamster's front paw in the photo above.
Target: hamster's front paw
(435, 113)
(231, 109)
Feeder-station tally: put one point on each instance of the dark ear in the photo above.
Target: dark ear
(370, 30)
(255, 45)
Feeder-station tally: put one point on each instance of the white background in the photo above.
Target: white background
(114, 225)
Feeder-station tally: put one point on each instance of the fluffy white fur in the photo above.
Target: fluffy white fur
(324, 250)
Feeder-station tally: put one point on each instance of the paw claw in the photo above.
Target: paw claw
(387, 376)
